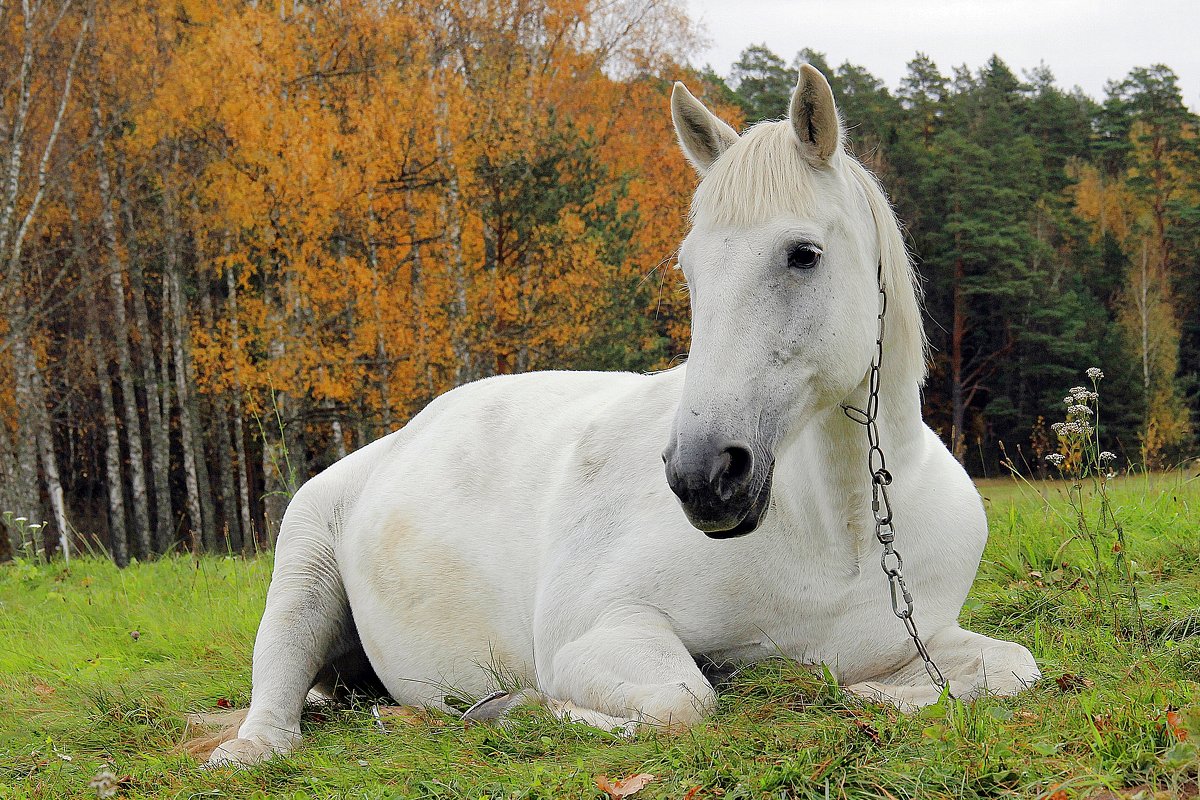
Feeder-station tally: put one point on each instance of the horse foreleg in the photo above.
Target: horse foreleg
(973, 664)
(630, 670)
(305, 626)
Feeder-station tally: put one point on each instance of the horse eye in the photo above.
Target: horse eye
(803, 256)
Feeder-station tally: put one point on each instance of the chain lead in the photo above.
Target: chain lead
(881, 505)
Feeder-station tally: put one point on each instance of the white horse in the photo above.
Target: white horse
(522, 525)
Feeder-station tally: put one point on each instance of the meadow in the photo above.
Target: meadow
(100, 665)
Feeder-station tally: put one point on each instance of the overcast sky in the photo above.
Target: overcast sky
(1084, 42)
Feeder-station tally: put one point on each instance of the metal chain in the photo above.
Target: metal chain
(881, 505)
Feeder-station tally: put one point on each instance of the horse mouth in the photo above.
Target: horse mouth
(754, 514)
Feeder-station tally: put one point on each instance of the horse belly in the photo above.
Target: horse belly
(434, 617)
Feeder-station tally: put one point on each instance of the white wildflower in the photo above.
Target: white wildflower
(1094, 373)
(1106, 456)
(1068, 401)
(1080, 411)
(106, 784)
(1078, 391)
(1056, 459)
(1058, 428)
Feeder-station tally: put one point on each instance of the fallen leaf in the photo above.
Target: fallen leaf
(868, 730)
(691, 793)
(623, 787)
(409, 715)
(1175, 723)
(224, 703)
(42, 689)
(1069, 682)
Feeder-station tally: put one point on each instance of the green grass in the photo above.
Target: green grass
(79, 694)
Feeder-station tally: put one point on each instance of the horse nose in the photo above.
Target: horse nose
(731, 470)
(727, 473)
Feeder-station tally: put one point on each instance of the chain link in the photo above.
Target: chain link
(881, 505)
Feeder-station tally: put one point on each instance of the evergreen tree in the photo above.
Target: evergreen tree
(763, 82)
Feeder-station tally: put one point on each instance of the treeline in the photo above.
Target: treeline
(1053, 233)
(242, 239)
(238, 241)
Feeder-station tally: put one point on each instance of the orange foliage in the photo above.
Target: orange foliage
(382, 182)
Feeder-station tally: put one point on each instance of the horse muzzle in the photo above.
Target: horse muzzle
(723, 488)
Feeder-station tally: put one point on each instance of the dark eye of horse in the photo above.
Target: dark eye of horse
(803, 256)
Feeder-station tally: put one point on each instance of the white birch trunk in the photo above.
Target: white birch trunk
(179, 329)
(239, 434)
(157, 421)
(116, 277)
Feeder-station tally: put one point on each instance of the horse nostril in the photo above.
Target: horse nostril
(731, 470)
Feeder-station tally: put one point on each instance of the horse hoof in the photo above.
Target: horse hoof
(242, 753)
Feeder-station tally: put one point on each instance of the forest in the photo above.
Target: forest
(240, 240)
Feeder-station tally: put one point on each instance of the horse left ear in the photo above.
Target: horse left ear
(814, 116)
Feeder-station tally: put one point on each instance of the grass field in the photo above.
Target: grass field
(1117, 715)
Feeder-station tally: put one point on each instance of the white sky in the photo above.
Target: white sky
(1084, 42)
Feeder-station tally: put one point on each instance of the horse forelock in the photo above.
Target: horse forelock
(762, 177)
(765, 176)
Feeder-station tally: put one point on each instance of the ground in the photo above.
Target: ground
(98, 667)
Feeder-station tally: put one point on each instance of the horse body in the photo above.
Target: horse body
(519, 529)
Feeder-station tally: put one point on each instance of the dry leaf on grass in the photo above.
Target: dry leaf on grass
(409, 716)
(623, 787)
(1069, 682)
(868, 730)
(1175, 724)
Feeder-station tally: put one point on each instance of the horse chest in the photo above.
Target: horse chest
(813, 613)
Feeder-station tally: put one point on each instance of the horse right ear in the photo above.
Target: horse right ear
(702, 135)
(814, 116)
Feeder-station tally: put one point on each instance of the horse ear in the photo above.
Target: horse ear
(702, 135)
(814, 115)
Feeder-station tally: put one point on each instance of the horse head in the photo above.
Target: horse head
(782, 264)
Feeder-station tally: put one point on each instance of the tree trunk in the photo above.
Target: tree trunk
(220, 403)
(383, 364)
(116, 277)
(156, 419)
(118, 538)
(957, 332)
(6, 498)
(451, 213)
(239, 434)
(179, 352)
(54, 489)
(26, 497)
(114, 483)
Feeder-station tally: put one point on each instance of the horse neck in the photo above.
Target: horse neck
(824, 472)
